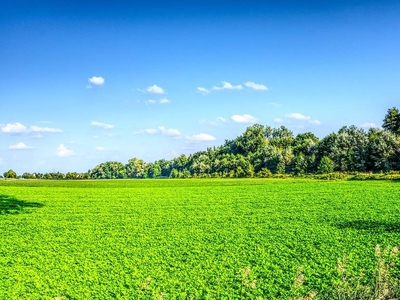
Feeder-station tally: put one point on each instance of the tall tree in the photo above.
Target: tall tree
(136, 168)
(383, 150)
(392, 120)
(350, 151)
(10, 174)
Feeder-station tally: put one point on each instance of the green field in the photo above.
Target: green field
(189, 239)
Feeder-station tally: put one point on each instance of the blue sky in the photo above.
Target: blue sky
(83, 82)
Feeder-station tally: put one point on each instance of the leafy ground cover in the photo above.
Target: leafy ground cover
(190, 239)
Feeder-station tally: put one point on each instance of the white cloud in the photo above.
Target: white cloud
(201, 137)
(161, 101)
(20, 146)
(155, 90)
(102, 125)
(96, 81)
(227, 86)
(203, 91)
(256, 86)
(213, 123)
(274, 104)
(1, 161)
(243, 118)
(169, 132)
(100, 148)
(14, 128)
(278, 120)
(36, 136)
(44, 129)
(19, 128)
(315, 122)
(152, 131)
(151, 101)
(164, 131)
(368, 125)
(63, 151)
(223, 120)
(297, 116)
(164, 101)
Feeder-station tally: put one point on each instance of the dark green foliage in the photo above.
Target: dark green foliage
(10, 174)
(108, 170)
(392, 121)
(326, 165)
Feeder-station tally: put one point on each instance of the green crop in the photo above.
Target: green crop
(189, 239)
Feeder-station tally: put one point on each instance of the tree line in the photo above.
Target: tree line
(262, 151)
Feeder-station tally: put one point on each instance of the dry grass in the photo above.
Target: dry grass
(385, 286)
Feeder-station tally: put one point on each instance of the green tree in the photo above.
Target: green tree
(383, 150)
(350, 150)
(108, 170)
(326, 165)
(136, 168)
(10, 174)
(153, 170)
(392, 121)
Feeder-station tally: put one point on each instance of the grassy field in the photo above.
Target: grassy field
(184, 239)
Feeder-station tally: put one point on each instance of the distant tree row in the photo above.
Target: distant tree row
(262, 151)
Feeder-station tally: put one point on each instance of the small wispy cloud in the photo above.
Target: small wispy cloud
(151, 101)
(202, 121)
(100, 148)
(222, 119)
(227, 86)
(44, 129)
(203, 91)
(102, 125)
(256, 86)
(63, 151)
(161, 101)
(164, 101)
(301, 117)
(155, 89)
(315, 122)
(278, 120)
(297, 116)
(172, 132)
(369, 125)
(274, 104)
(201, 137)
(20, 146)
(246, 118)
